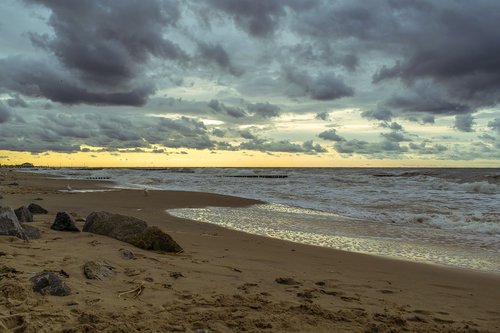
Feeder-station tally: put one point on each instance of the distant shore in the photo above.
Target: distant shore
(224, 281)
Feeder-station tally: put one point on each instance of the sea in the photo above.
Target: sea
(446, 217)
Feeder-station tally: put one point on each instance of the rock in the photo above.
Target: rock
(37, 209)
(9, 225)
(288, 281)
(49, 283)
(64, 222)
(127, 254)
(23, 214)
(130, 230)
(31, 231)
(97, 270)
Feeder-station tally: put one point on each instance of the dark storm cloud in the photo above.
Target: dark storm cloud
(5, 114)
(215, 53)
(464, 122)
(330, 135)
(395, 137)
(97, 51)
(221, 108)
(259, 18)
(325, 86)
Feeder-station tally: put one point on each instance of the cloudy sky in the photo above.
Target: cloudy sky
(250, 82)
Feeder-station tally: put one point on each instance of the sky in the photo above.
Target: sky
(300, 83)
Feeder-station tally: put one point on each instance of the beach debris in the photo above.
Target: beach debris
(176, 275)
(127, 254)
(23, 214)
(63, 273)
(38, 199)
(31, 231)
(68, 188)
(136, 292)
(13, 184)
(287, 281)
(64, 222)
(49, 283)
(37, 209)
(97, 270)
(9, 225)
(130, 230)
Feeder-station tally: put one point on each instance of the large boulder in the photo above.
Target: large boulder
(23, 214)
(64, 222)
(37, 209)
(130, 230)
(49, 283)
(9, 225)
(31, 231)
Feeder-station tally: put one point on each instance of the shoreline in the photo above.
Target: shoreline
(237, 268)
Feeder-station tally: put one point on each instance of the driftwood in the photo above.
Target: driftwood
(137, 291)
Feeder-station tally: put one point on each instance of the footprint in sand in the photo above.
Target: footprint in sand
(12, 324)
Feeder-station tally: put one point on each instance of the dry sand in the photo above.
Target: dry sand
(225, 281)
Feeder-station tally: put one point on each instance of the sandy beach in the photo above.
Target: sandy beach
(223, 281)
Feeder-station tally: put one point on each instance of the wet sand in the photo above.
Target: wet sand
(224, 281)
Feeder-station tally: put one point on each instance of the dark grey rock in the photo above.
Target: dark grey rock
(130, 230)
(127, 254)
(286, 280)
(37, 209)
(23, 214)
(97, 270)
(31, 231)
(9, 225)
(49, 283)
(64, 222)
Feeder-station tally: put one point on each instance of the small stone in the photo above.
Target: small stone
(23, 214)
(287, 281)
(64, 222)
(49, 283)
(97, 270)
(37, 209)
(127, 254)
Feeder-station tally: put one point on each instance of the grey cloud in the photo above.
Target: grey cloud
(217, 54)
(369, 148)
(325, 86)
(37, 78)
(259, 18)
(330, 135)
(464, 122)
(218, 132)
(97, 52)
(395, 137)
(264, 110)
(423, 148)
(323, 115)
(378, 114)
(247, 135)
(5, 114)
(17, 101)
(281, 146)
(231, 111)
(393, 126)
(495, 124)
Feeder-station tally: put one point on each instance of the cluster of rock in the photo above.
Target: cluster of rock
(124, 228)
